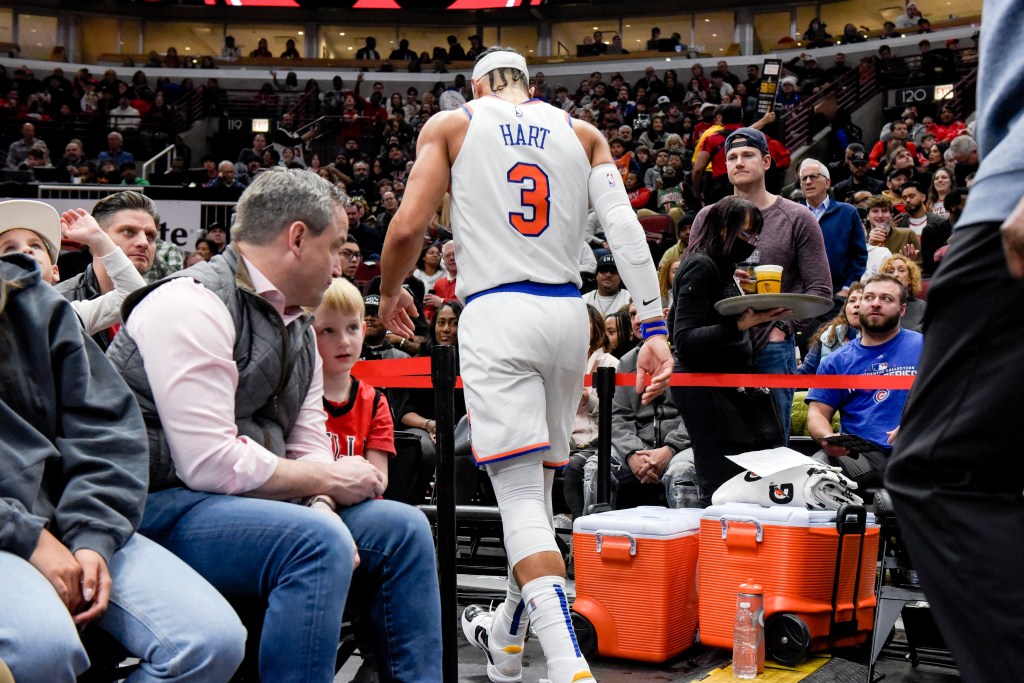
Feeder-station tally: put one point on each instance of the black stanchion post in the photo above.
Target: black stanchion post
(604, 382)
(442, 371)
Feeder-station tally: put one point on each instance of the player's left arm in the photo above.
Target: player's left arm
(633, 259)
(427, 184)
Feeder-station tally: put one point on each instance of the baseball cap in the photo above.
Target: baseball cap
(788, 80)
(706, 105)
(606, 261)
(371, 301)
(859, 158)
(215, 226)
(747, 137)
(664, 99)
(39, 217)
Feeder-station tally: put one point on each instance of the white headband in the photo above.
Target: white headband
(500, 59)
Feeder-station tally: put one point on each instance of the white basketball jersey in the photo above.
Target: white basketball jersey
(518, 196)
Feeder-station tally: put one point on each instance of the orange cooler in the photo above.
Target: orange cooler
(808, 575)
(636, 584)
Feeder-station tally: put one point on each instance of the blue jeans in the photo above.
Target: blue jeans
(299, 562)
(779, 358)
(160, 611)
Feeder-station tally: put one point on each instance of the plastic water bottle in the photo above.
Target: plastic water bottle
(589, 483)
(744, 643)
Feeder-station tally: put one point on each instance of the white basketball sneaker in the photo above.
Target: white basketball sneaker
(504, 665)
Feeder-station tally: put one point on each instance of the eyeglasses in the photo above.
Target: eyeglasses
(810, 177)
(349, 255)
(749, 238)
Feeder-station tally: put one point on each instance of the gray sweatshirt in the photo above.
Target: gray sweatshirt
(73, 452)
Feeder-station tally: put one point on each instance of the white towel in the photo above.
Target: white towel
(815, 487)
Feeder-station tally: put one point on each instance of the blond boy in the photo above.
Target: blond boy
(358, 416)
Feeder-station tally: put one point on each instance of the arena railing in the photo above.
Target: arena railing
(856, 88)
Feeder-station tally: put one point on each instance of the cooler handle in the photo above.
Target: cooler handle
(758, 537)
(615, 550)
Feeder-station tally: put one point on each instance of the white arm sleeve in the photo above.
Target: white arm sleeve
(626, 239)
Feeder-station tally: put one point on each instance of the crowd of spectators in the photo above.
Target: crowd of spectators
(884, 204)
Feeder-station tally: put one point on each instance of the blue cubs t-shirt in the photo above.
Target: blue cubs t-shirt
(870, 413)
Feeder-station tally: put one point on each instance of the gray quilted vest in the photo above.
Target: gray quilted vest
(275, 364)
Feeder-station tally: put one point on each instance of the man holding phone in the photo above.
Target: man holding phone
(884, 348)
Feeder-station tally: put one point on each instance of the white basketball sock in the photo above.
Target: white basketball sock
(511, 619)
(549, 612)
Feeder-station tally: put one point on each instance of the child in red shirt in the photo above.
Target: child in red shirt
(358, 416)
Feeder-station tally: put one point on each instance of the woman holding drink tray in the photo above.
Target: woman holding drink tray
(721, 421)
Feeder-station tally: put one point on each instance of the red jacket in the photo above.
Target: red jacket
(639, 198)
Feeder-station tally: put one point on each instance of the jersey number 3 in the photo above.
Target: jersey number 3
(534, 195)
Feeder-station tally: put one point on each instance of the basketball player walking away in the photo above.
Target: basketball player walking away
(521, 173)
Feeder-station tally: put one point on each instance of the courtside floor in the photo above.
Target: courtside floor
(698, 663)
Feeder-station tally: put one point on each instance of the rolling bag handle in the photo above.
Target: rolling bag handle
(850, 519)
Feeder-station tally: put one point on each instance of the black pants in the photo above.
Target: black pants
(957, 471)
(708, 439)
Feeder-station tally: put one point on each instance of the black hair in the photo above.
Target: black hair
(917, 185)
(732, 214)
(730, 113)
(503, 73)
(456, 307)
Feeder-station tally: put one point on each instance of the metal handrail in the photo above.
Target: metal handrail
(856, 88)
(151, 163)
(305, 106)
(853, 87)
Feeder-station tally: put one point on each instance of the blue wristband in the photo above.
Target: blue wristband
(648, 330)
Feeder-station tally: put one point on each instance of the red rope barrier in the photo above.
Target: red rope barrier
(414, 373)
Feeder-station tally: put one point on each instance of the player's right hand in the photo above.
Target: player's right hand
(1013, 241)
(397, 312)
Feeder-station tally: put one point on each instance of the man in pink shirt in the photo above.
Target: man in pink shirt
(224, 483)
